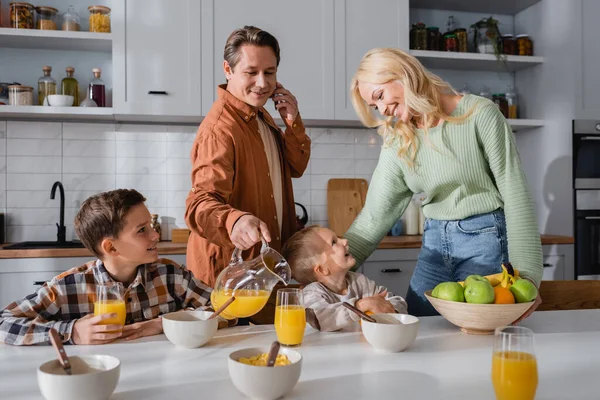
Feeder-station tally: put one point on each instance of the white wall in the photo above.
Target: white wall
(154, 159)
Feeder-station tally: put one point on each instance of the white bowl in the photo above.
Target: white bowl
(60, 100)
(391, 338)
(264, 383)
(94, 377)
(189, 329)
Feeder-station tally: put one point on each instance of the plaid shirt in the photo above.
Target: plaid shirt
(158, 288)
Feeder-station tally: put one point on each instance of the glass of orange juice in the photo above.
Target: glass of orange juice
(290, 317)
(514, 366)
(109, 299)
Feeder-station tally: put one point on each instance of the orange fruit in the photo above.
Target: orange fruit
(503, 296)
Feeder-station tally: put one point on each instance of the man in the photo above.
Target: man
(243, 164)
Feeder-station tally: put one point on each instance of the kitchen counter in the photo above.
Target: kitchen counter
(166, 248)
(442, 363)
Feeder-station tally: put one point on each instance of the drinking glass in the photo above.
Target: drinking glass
(290, 317)
(514, 366)
(109, 299)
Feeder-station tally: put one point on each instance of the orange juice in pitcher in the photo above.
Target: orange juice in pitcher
(247, 302)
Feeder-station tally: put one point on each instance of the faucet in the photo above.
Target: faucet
(62, 231)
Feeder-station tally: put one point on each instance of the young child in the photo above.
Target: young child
(115, 227)
(322, 261)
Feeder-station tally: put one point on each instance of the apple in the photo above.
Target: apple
(451, 291)
(479, 292)
(524, 291)
(474, 278)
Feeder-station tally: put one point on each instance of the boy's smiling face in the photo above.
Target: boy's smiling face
(137, 241)
(336, 255)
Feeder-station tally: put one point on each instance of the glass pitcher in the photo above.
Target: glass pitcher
(251, 282)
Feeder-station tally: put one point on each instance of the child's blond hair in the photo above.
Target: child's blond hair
(301, 251)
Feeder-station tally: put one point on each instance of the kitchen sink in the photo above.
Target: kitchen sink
(44, 245)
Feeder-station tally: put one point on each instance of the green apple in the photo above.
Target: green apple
(474, 278)
(451, 291)
(524, 291)
(479, 292)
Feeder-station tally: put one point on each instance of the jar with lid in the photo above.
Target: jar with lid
(419, 34)
(96, 88)
(99, 18)
(46, 85)
(450, 42)
(155, 224)
(46, 18)
(70, 20)
(434, 38)
(463, 42)
(465, 89)
(509, 44)
(21, 15)
(511, 99)
(485, 92)
(70, 87)
(524, 45)
(19, 95)
(500, 100)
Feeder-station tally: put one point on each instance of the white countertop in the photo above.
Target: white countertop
(442, 364)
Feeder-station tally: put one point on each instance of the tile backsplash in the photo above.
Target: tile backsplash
(155, 159)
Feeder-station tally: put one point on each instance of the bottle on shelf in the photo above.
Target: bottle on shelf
(46, 85)
(97, 90)
(485, 92)
(465, 89)
(411, 217)
(69, 86)
(71, 20)
(511, 99)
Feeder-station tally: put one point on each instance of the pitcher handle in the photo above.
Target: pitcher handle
(236, 256)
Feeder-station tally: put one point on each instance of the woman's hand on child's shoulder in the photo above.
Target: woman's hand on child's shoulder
(88, 330)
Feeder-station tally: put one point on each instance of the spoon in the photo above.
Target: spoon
(273, 354)
(357, 311)
(60, 350)
(223, 307)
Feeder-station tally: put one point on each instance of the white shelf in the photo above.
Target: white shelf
(55, 40)
(522, 124)
(507, 7)
(474, 61)
(57, 113)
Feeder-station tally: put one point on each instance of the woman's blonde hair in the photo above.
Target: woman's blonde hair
(422, 95)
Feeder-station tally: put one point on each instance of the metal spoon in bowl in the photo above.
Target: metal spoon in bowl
(60, 350)
(273, 354)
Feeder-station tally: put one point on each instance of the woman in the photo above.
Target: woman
(460, 152)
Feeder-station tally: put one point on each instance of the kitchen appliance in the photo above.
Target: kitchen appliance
(301, 220)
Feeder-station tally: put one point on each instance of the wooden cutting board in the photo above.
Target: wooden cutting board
(345, 198)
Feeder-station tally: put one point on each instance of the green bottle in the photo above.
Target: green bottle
(70, 86)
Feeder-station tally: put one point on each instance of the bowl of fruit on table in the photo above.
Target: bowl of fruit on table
(481, 304)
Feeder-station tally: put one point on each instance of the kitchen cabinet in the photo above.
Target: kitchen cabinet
(559, 263)
(22, 276)
(305, 32)
(391, 268)
(360, 27)
(157, 58)
(589, 77)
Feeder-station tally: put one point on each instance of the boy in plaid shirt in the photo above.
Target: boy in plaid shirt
(115, 227)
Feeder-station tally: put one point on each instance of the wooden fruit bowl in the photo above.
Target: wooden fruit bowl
(478, 319)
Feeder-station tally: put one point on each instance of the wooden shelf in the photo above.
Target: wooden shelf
(57, 113)
(507, 7)
(522, 124)
(55, 40)
(474, 61)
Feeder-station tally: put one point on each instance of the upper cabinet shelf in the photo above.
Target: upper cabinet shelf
(508, 7)
(55, 40)
(474, 61)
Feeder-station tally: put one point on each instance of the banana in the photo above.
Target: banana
(505, 278)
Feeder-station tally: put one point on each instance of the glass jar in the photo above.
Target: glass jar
(450, 42)
(19, 95)
(463, 42)
(511, 100)
(71, 21)
(485, 39)
(524, 45)
(21, 15)
(434, 38)
(70, 87)
(419, 33)
(155, 224)
(509, 44)
(99, 18)
(96, 88)
(465, 89)
(485, 92)
(500, 100)
(46, 18)
(46, 85)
